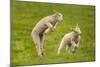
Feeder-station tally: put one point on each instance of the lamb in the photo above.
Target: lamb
(45, 25)
(71, 40)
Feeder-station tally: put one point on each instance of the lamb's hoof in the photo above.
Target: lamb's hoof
(58, 53)
(73, 51)
(40, 55)
(43, 53)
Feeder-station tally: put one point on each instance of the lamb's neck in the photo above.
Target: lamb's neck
(75, 34)
(55, 16)
(54, 19)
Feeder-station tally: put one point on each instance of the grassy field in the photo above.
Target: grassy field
(24, 16)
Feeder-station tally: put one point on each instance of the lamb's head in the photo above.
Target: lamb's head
(77, 29)
(58, 15)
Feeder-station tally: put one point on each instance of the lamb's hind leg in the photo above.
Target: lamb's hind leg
(42, 38)
(36, 40)
(60, 47)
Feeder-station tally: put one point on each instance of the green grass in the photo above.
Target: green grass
(24, 16)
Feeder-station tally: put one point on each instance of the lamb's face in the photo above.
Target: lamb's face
(77, 29)
(58, 15)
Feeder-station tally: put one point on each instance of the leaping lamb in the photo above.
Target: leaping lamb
(71, 40)
(45, 25)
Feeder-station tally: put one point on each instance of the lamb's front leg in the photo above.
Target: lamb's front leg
(73, 46)
(78, 41)
(47, 30)
(68, 49)
(50, 28)
(55, 25)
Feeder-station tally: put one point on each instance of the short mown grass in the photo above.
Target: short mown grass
(25, 15)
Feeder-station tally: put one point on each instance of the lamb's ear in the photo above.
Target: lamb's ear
(77, 25)
(56, 12)
(73, 29)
